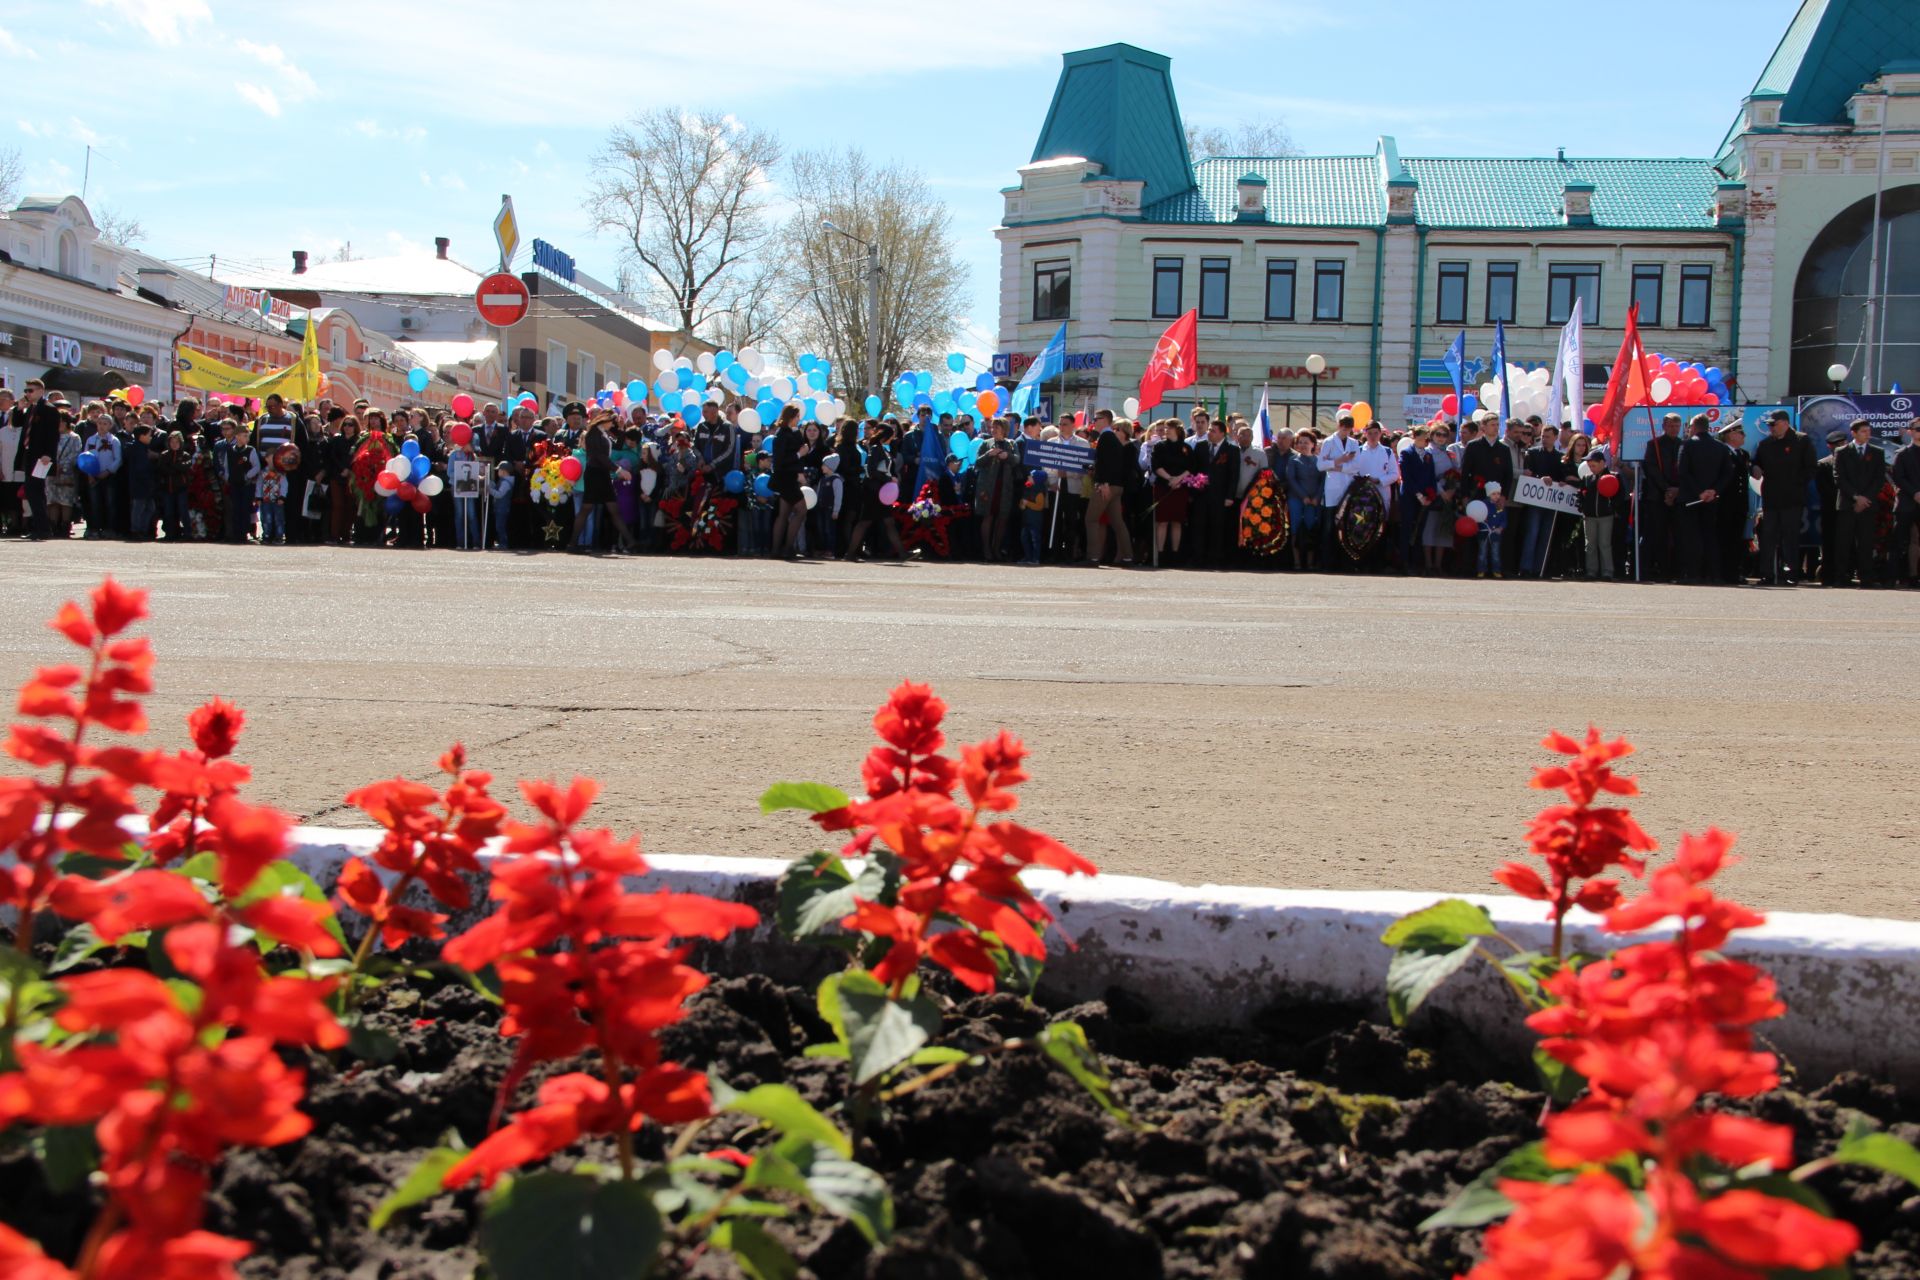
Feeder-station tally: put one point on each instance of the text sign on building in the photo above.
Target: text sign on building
(1056, 455)
(1299, 373)
(551, 260)
(64, 351)
(241, 298)
(1014, 363)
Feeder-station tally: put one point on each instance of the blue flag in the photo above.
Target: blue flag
(1456, 362)
(933, 459)
(1049, 364)
(1500, 367)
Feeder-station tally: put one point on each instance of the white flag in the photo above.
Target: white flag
(1569, 370)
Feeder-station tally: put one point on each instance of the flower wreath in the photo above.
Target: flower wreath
(1264, 522)
(925, 523)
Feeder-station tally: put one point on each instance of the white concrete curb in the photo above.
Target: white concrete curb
(1220, 955)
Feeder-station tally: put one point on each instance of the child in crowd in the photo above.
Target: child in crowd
(502, 504)
(1596, 517)
(136, 465)
(759, 523)
(1033, 516)
(1491, 531)
(273, 506)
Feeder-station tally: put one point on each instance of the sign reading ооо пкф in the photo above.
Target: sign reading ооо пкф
(1532, 491)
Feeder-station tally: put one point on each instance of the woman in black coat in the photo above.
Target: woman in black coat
(1172, 459)
(873, 509)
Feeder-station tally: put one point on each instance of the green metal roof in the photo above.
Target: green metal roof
(1830, 49)
(1114, 105)
(1348, 191)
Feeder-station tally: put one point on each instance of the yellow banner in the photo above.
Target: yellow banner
(298, 381)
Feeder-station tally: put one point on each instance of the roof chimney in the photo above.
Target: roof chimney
(299, 262)
(440, 244)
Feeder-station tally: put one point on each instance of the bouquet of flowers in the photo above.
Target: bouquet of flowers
(368, 462)
(1192, 480)
(926, 507)
(927, 524)
(550, 484)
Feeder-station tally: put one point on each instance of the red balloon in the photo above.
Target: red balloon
(422, 503)
(136, 397)
(1449, 404)
(405, 491)
(386, 482)
(1609, 485)
(1593, 414)
(462, 405)
(1466, 527)
(571, 469)
(461, 434)
(1346, 408)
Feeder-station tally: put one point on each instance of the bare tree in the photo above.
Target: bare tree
(1269, 137)
(756, 305)
(117, 227)
(688, 193)
(344, 253)
(13, 172)
(923, 281)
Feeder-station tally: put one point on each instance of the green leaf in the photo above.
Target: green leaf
(282, 878)
(1560, 1082)
(1874, 1150)
(91, 866)
(815, 894)
(838, 1049)
(201, 866)
(1481, 1202)
(81, 943)
(420, 1186)
(882, 1032)
(67, 1154)
(759, 1254)
(1450, 923)
(1066, 1043)
(371, 1044)
(814, 797)
(1417, 969)
(937, 1056)
(780, 1106)
(562, 1226)
(838, 1185)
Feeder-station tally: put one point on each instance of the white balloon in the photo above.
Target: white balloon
(432, 485)
(1477, 511)
(663, 360)
(749, 419)
(647, 480)
(755, 362)
(683, 362)
(716, 396)
(808, 496)
(1661, 389)
(1132, 406)
(612, 386)
(705, 363)
(1493, 488)
(400, 466)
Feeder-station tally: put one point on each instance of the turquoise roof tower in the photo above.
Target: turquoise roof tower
(1831, 48)
(1115, 106)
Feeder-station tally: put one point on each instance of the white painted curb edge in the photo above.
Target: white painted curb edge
(1214, 955)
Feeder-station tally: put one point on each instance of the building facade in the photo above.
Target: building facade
(1376, 262)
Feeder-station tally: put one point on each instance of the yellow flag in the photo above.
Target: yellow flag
(298, 381)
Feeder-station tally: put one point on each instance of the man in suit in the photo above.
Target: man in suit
(1734, 504)
(1487, 457)
(1704, 476)
(39, 424)
(1217, 510)
(1659, 500)
(1110, 462)
(1543, 461)
(1783, 463)
(1906, 479)
(1418, 489)
(1859, 473)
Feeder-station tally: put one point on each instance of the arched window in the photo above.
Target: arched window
(337, 346)
(1830, 296)
(69, 255)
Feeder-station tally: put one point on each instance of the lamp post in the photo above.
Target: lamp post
(873, 303)
(1836, 374)
(1316, 365)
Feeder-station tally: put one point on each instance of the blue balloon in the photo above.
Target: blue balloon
(921, 400)
(817, 379)
(807, 362)
(699, 382)
(690, 413)
(636, 390)
(960, 445)
(923, 381)
(684, 378)
(1715, 374)
(410, 449)
(417, 378)
(670, 401)
(735, 481)
(874, 405)
(983, 382)
(942, 402)
(763, 486)
(1469, 404)
(721, 359)
(393, 505)
(903, 391)
(421, 466)
(88, 464)
(957, 362)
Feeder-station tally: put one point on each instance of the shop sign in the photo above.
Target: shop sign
(63, 351)
(552, 261)
(1213, 371)
(1011, 364)
(241, 298)
(1298, 373)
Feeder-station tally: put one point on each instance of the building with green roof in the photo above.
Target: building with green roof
(1754, 260)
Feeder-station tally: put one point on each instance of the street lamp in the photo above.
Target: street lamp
(1836, 374)
(1316, 365)
(873, 302)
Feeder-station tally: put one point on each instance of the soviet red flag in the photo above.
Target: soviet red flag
(1175, 362)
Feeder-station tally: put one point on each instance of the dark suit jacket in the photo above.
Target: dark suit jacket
(39, 434)
(1223, 472)
(1906, 475)
(1485, 460)
(1110, 459)
(1858, 473)
(1705, 463)
(1660, 466)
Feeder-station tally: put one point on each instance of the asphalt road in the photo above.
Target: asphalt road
(1282, 730)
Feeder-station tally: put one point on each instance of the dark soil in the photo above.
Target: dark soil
(1310, 1146)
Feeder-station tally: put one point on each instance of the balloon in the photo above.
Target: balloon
(410, 449)
(405, 491)
(417, 378)
(636, 390)
(957, 362)
(421, 466)
(960, 445)
(399, 468)
(1465, 527)
(663, 360)
(983, 383)
(572, 469)
(809, 496)
(817, 379)
(734, 482)
(1449, 404)
(1662, 388)
(809, 411)
(461, 434)
(88, 464)
(755, 362)
(422, 503)
(705, 362)
(136, 397)
(386, 482)
(1362, 414)
(763, 486)
(942, 402)
(749, 419)
(1477, 511)
(874, 405)
(647, 480)
(1715, 374)
(432, 485)
(1593, 415)
(670, 401)
(1608, 485)
(921, 400)
(922, 380)
(806, 362)
(462, 405)
(1470, 405)
(1709, 398)
(989, 403)
(690, 413)
(889, 494)
(1493, 488)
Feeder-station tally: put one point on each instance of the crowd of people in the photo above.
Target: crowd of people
(1698, 505)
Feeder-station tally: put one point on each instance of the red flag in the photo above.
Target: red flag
(1175, 363)
(1626, 387)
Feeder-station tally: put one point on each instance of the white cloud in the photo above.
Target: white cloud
(29, 128)
(380, 133)
(166, 21)
(12, 47)
(260, 96)
(294, 83)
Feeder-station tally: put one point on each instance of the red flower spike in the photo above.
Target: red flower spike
(215, 728)
(73, 624)
(115, 608)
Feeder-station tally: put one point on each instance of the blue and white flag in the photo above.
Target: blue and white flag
(1456, 362)
(1048, 364)
(1568, 374)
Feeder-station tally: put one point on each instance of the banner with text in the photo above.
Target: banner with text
(1056, 455)
(1531, 491)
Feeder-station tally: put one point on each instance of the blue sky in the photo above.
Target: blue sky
(247, 129)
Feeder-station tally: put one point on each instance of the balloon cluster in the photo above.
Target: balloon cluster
(1531, 395)
(408, 477)
(914, 390)
(1687, 382)
(1452, 406)
(1474, 514)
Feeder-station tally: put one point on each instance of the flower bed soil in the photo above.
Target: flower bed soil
(1312, 1146)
